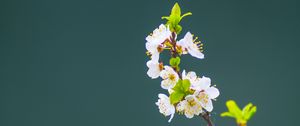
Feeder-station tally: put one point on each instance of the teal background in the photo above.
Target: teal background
(82, 62)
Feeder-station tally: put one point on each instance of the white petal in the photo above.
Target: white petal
(205, 83)
(183, 74)
(151, 47)
(189, 114)
(197, 108)
(196, 53)
(154, 70)
(171, 117)
(188, 36)
(181, 43)
(169, 69)
(189, 97)
(155, 56)
(166, 84)
(181, 105)
(164, 74)
(153, 74)
(192, 74)
(162, 96)
(209, 106)
(212, 92)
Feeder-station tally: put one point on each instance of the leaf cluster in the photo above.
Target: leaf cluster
(180, 90)
(174, 18)
(241, 116)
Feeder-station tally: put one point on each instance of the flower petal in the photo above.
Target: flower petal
(213, 92)
(196, 53)
(171, 117)
(208, 106)
(205, 83)
(154, 70)
(167, 84)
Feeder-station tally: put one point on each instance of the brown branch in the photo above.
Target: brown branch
(205, 115)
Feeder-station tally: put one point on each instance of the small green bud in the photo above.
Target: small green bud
(174, 62)
(174, 18)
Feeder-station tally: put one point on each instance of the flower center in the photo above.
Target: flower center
(204, 97)
(172, 77)
(192, 102)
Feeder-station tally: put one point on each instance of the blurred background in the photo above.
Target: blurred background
(83, 62)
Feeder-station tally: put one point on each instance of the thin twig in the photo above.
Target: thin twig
(205, 115)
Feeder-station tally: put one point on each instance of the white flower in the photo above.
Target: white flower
(205, 93)
(154, 68)
(165, 107)
(155, 40)
(187, 43)
(192, 77)
(190, 106)
(170, 78)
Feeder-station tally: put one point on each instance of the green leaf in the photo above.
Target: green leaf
(234, 109)
(174, 18)
(246, 108)
(241, 116)
(177, 87)
(174, 62)
(186, 85)
(178, 29)
(186, 14)
(176, 97)
(250, 113)
(227, 114)
(165, 17)
(176, 11)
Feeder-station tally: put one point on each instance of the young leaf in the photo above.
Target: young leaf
(247, 108)
(175, 97)
(186, 85)
(241, 116)
(177, 87)
(227, 114)
(250, 113)
(174, 62)
(177, 29)
(234, 108)
(186, 14)
(176, 11)
(174, 18)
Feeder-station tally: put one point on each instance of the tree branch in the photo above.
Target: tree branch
(205, 115)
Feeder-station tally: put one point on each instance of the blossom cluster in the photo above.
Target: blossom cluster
(188, 93)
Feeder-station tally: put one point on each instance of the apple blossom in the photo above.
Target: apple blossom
(165, 107)
(188, 45)
(154, 41)
(169, 76)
